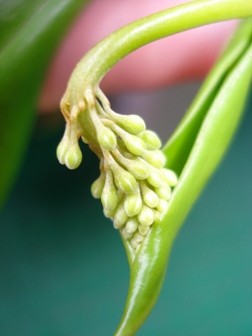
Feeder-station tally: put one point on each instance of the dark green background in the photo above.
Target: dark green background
(64, 271)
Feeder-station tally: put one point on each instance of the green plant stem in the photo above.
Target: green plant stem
(96, 63)
(183, 137)
(209, 132)
(214, 134)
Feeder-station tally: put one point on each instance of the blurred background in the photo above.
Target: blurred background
(63, 268)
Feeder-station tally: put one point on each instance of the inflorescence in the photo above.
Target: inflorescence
(134, 186)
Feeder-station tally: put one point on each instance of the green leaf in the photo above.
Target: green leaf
(206, 132)
(184, 136)
(30, 33)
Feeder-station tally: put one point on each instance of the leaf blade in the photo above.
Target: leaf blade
(26, 48)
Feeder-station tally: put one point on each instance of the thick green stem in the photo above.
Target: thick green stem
(96, 63)
(214, 134)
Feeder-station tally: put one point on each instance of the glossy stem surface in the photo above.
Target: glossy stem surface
(96, 63)
(220, 120)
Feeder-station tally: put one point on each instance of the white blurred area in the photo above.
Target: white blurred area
(161, 109)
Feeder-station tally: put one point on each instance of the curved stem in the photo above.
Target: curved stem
(96, 63)
(213, 138)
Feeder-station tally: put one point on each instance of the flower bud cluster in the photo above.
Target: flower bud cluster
(134, 186)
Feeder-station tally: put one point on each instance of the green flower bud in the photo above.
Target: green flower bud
(108, 214)
(136, 240)
(158, 216)
(68, 150)
(133, 204)
(106, 138)
(150, 197)
(134, 244)
(73, 156)
(131, 225)
(170, 177)
(135, 145)
(109, 197)
(64, 145)
(156, 158)
(120, 217)
(97, 186)
(131, 123)
(136, 167)
(164, 192)
(125, 181)
(162, 206)
(126, 234)
(139, 169)
(61, 150)
(143, 229)
(156, 178)
(146, 216)
(151, 139)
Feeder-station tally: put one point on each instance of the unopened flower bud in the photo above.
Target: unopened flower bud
(108, 214)
(143, 229)
(68, 150)
(97, 186)
(162, 206)
(156, 158)
(109, 197)
(146, 216)
(134, 244)
(131, 123)
(151, 139)
(73, 156)
(170, 177)
(61, 151)
(133, 204)
(139, 169)
(155, 178)
(131, 225)
(149, 196)
(136, 240)
(126, 234)
(125, 181)
(64, 144)
(164, 192)
(158, 216)
(136, 166)
(106, 138)
(120, 217)
(135, 145)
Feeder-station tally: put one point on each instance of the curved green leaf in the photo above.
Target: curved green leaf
(30, 32)
(182, 139)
